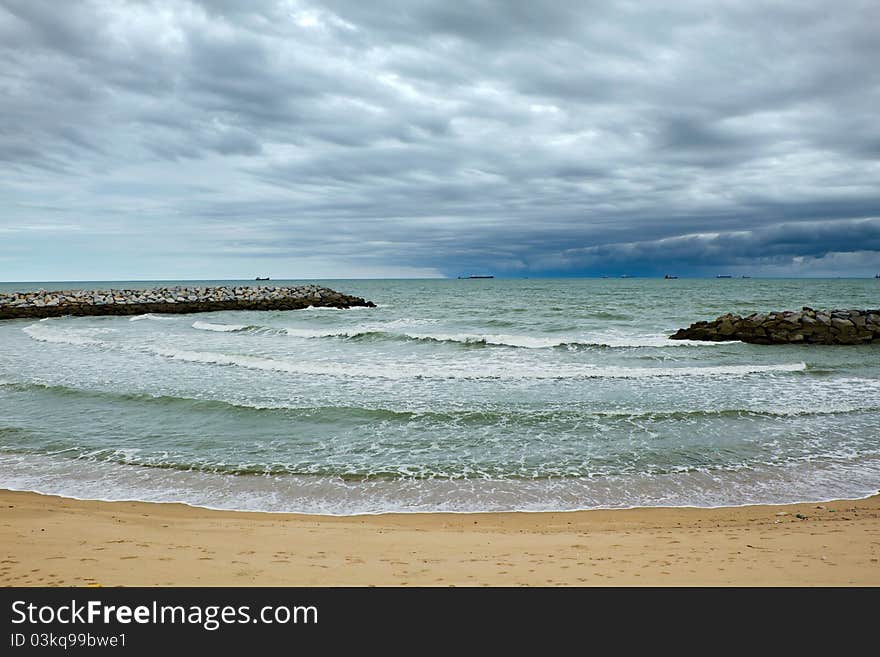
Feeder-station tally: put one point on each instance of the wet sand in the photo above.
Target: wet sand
(46, 540)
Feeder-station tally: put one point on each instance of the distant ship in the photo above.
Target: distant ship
(467, 277)
(261, 278)
(669, 277)
(876, 275)
(724, 276)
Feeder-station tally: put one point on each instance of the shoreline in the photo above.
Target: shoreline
(56, 541)
(379, 514)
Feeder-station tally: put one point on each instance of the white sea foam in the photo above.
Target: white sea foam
(152, 317)
(219, 328)
(79, 337)
(620, 339)
(378, 305)
(504, 340)
(549, 342)
(87, 479)
(318, 333)
(292, 332)
(524, 341)
(458, 370)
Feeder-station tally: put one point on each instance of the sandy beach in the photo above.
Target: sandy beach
(46, 540)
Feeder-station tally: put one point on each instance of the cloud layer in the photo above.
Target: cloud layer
(348, 138)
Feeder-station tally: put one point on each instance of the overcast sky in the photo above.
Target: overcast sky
(345, 138)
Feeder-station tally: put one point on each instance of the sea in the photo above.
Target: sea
(451, 395)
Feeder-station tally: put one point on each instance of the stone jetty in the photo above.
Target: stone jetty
(40, 304)
(790, 327)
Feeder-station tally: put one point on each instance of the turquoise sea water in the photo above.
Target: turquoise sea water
(456, 395)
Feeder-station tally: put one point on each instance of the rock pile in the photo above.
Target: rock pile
(170, 300)
(789, 327)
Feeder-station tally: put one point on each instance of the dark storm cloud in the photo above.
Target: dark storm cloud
(441, 137)
(773, 246)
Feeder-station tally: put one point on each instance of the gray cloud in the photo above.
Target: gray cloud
(432, 137)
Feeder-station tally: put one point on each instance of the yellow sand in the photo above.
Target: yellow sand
(48, 540)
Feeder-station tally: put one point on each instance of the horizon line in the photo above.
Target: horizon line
(445, 278)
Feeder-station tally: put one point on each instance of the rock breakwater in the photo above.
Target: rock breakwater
(850, 327)
(40, 304)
